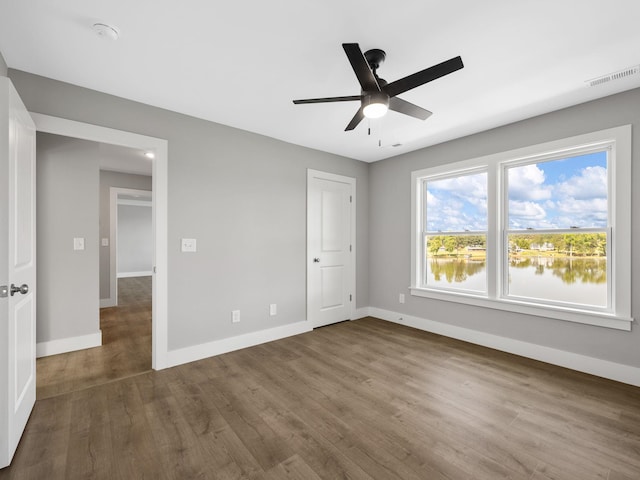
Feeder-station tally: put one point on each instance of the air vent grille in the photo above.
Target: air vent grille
(627, 72)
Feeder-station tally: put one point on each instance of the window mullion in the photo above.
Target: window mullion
(493, 231)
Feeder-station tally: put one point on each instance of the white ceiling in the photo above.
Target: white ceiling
(242, 63)
(124, 159)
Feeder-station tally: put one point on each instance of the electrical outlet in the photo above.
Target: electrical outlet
(401, 298)
(235, 316)
(188, 245)
(273, 309)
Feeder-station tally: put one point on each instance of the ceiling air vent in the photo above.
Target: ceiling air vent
(627, 72)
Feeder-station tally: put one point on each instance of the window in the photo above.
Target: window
(558, 230)
(543, 230)
(455, 232)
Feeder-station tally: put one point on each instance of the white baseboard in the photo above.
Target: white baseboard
(107, 302)
(360, 313)
(64, 345)
(218, 347)
(134, 274)
(582, 363)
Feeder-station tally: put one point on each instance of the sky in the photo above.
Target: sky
(555, 194)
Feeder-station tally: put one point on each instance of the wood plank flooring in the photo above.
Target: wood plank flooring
(125, 351)
(357, 400)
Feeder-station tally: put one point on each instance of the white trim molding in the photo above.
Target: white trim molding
(226, 345)
(574, 361)
(64, 345)
(360, 313)
(136, 203)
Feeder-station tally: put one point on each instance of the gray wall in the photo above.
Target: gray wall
(67, 207)
(241, 195)
(135, 239)
(389, 230)
(3, 66)
(110, 179)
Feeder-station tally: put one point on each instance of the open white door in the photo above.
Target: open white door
(330, 247)
(17, 269)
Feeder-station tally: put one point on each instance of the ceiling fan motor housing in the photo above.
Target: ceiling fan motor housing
(375, 57)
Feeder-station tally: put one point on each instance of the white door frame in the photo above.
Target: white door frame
(352, 258)
(86, 131)
(113, 237)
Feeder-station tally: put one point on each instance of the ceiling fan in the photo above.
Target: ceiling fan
(377, 96)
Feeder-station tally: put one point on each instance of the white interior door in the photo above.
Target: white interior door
(17, 270)
(330, 248)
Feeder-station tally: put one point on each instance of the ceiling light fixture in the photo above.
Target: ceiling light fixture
(150, 155)
(376, 104)
(106, 31)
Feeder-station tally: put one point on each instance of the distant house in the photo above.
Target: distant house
(544, 247)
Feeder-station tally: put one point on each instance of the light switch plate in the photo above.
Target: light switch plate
(188, 245)
(105, 242)
(78, 243)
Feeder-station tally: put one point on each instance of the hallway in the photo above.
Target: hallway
(125, 351)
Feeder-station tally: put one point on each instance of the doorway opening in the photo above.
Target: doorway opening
(159, 147)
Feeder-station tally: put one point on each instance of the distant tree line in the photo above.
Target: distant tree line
(579, 244)
(570, 244)
(454, 243)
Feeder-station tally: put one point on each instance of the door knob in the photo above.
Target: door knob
(23, 289)
(316, 260)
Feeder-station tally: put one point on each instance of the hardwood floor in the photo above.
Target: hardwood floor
(357, 400)
(125, 351)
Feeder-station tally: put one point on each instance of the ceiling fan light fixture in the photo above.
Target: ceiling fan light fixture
(375, 105)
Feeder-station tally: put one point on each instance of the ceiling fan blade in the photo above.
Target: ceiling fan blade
(357, 118)
(329, 99)
(424, 76)
(361, 68)
(402, 106)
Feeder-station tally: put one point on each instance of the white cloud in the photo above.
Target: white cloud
(526, 210)
(466, 186)
(586, 207)
(590, 183)
(527, 183)
(457, 204)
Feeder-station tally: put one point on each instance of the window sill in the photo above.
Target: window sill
(558, 313)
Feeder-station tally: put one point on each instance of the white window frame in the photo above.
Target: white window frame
(618, 139)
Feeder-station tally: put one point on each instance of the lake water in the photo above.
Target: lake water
(562, 279)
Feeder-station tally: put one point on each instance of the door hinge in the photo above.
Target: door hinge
(351, 248)
(350, 198)
(350, 298)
